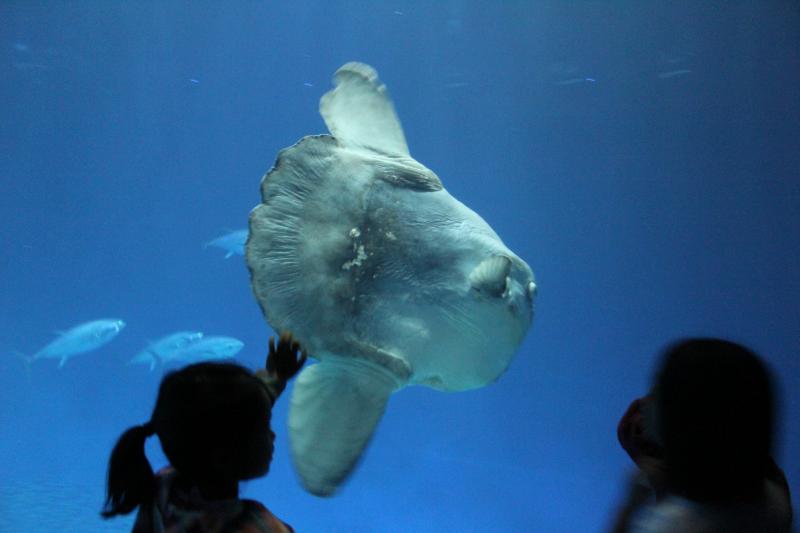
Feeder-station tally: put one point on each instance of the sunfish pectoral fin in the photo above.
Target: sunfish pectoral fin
(491, 275)
(228, 255)
(359, 112)
(335, 407)
(62, 362)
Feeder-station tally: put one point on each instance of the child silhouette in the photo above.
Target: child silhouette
(213, 421)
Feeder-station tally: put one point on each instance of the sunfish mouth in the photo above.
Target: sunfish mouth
(501, 276)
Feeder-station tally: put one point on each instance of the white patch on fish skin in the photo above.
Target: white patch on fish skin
(357, 260)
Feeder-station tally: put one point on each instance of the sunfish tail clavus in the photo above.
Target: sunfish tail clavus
(388, 280)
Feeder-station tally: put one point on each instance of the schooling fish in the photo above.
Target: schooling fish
(208, 349)
(232, 243)
(164, 349)
(80, 339)
(674, 73)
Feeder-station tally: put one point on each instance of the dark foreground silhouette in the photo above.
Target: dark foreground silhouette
(702, 440)
(213, 422)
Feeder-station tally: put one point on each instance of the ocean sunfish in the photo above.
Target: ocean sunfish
(79, 339)
(384, 277)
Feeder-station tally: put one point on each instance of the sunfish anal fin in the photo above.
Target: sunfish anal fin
(335, 407)
(359, 112)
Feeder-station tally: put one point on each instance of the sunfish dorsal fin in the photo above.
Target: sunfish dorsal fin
(359, 112)
(335, 407)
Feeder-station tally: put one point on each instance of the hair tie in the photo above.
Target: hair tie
(148, 428)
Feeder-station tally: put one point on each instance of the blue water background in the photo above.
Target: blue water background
(651, 203)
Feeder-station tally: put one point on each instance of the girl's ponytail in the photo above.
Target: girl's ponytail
(131, 482)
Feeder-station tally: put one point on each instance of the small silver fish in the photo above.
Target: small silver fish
(80, 339)
(232, 243)
(208, 349)
(673, 73)
(164, 349)
(575, 81)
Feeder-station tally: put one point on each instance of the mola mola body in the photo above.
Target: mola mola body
(388, 280)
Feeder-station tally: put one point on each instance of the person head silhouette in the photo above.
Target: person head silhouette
(213, 423)
(702, 440)
(715, 412)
